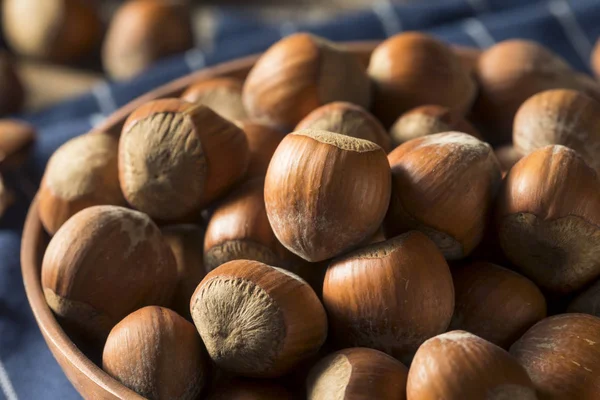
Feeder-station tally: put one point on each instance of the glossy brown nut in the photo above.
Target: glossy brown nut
(249, 389)
(300, 73)
(427, 120)
(357, 373)
(82, 173)
(158, 354)
(222, 95)
(257, 320)
(390, 296)
(347, 119)
(176, 157)
(16, 138)
(507, 156)
(262, 143)
(104, 263)
(55, 30)
(239, 230)
(186, 243)
(444, 186)
(559, 116)
(561, 354)
(495, 303)
(143, 31)
(12, 92)
(458, 365)
(547, 219)
(596, 59)
(587, 302)
(326, 193)
(405, 70)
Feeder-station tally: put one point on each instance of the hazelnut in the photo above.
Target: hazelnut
(16, 139)
(468, 56)
(459, 365)
(347, 119)
(596, 59)
(239, 230)
(427, 120)
(222, 95)
(587, 302)
(144, 31)
(561, 354)
(326, 193)
(158, 354)
(494, 303)
(444, 186)
(257, 320)
(104, 263)
(262, 143)
(547, 218)
(357, 373)
(176, 157)
(7, 198)
(12, 92)
(300, 73)
(559, 116)
(55, 30)
(507, 156)
(413, 69)
(81, 173)
(186, 243)
(249, 389)
(390, 296)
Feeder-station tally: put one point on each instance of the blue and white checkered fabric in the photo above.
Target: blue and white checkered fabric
(27, 369)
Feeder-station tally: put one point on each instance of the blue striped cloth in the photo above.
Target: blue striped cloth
(27, 369)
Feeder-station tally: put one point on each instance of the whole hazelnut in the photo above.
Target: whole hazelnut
(561, 354)
(262, 143)
(507, 156)
(144, 31)
(82, 173)
(459, 365)
(547, 219)
(413, 69)
(257, 320)
(347, 119)
(186, 243)
(55, 30)
(158, 354)
(239, 230)
(444, 186)
(176, 157)
(249, 389)
(357, 373)
(104, 263)
(12, 92)
(588, 301)
(559, 116)
(468, 56)
(222, 95)
(16, 139)
(427, 120)
(326, 193)
(596, 59)
(509, 73)
(300, 73)
(390, 296)
(494, 303)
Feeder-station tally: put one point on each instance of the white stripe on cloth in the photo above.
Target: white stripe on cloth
(480, 6)
(6, 385)
(478, 32)
(385, 11)
(104, 97)
(194, 59)
(561, 10)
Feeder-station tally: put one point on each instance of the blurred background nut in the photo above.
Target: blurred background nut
(559, 116)
(596, 59)
(443, 185)
(16, 139)
(222, 95)
(262, 143)
(550, 202)
(300, 73)
(413, 69)
(6, 197)
(144, 31)
(158, 354)
(507, 156)
(468, 56)
(561, 354)
(427, 120)
(54, 30)
(347, 119)
(82, 173)
(12, 92)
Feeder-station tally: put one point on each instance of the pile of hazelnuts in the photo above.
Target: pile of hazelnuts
(427, 227)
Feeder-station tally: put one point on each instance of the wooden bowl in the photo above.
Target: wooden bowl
(88, 378)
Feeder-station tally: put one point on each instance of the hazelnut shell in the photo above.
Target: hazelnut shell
(12, 92)
(16, 139)
(222, 95)
(262, 143)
